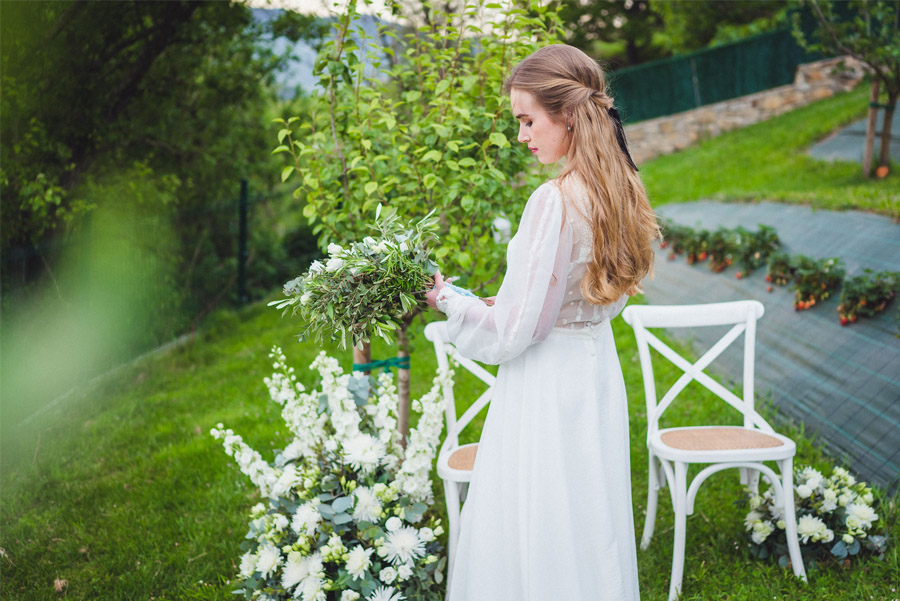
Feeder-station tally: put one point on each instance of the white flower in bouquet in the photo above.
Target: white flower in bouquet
(403, 545)
(268, 560)
(367, 507)
(426, 534)
(364, 452)
(860, 515)
(335, 250)
(350, 596)
(404, 572)
(393, 524)
(829, 501)
(385, 593)
(387, 575)
(306, 519)
(804, 491)
(359, 562)
(334, 264)
(248, 564)
(761, 531)
(295, 570)
(811, 527)
(752, 518)
(316, 267)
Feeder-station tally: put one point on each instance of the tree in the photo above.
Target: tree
(694, 24)
(870, 33)
(428, 129)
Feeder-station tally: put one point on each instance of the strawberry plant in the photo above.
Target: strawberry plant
(674, 237)
(867, 294)
(696, 246)
(755, 247)
(722, 245)
(815, 280)
(781, 269)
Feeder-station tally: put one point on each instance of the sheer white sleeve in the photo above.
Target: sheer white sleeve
(532, 291)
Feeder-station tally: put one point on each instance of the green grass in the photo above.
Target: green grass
(770, 161)
(122, 492)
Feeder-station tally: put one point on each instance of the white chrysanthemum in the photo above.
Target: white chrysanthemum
(404, 545)
(294, 570)
(306, 519)
(311, 589)
(752, 518)
(811, 527)
(860, 515)
(761, 531)
(248, 564)
(387, 575)
(269, 558)
(364, 452)
(368, 507)
(404, 572)
(359, 562)
(385, 593)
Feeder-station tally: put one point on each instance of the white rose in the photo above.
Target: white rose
(868, 498)
(426, 534)
(848, 539)
(349, 596)
(803, 491)
(404, 572)
(334, 264)
(388, 575)
(393, 524)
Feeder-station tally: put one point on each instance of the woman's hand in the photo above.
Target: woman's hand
(431, 295)
(489, 300)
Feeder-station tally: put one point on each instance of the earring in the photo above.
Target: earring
(568, 128)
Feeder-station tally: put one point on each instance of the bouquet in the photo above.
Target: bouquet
(367, 287)
(345, 512)
(834, 518)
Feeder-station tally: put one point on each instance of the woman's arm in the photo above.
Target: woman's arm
(529, 300)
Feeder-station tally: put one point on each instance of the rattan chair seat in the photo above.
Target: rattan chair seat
(718, 439)
(463, 458)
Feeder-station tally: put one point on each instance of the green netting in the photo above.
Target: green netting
(677, 84)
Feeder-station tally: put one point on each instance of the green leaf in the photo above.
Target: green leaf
(499, 139)
(371, 187)
(441, 87)
(281, 134)
(429, 180)
(286, 172)
(412, 95)
(467, 162)
(432, 155)
(342, 504)
(309, 211)
(281, 148)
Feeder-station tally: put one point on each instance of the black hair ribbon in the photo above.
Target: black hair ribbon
(620, 136)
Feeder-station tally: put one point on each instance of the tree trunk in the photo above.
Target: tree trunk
(363, 356)
(403, 383)
(868, 151)
(886, 130)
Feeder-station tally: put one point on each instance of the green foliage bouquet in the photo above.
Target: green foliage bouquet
(367, 287)
(834, 518)
(345, 514)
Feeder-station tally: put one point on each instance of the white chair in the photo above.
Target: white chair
(674, 449)
(455, 461)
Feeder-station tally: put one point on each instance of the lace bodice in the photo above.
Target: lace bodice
(541, 290)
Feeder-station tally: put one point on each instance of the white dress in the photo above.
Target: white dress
(548, 513)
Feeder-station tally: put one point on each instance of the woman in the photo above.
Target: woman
(548, 513)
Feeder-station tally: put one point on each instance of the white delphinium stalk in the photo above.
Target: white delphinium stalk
(414, 477)
(250, 462)
(344, 416)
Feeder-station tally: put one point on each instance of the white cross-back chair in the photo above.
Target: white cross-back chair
(455, 461)
(672, 450)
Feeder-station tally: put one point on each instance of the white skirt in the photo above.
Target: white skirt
(548, 515)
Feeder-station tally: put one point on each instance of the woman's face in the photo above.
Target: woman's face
(547, 139)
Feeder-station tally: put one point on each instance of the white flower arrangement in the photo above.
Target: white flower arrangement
(367, 288)
(834, 518)
(345, 515)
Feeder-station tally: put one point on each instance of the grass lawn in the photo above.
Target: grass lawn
(770, 161)
(122, 492)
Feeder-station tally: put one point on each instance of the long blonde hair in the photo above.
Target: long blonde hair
(571, 87)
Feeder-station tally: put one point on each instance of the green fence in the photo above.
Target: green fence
(688, 81)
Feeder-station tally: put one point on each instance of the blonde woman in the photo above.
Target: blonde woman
(548, 513)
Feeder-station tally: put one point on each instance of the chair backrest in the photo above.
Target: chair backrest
(436, 332)
(742, 314)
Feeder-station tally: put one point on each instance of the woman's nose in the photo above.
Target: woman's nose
(522, 137)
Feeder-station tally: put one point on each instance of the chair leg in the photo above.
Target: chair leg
(790, 518)
(451, 495)
(652, 498)
(679, 495)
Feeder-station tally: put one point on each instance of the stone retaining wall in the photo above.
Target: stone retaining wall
(813, 81)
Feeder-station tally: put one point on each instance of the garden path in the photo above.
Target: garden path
(847, 144)
(842, 383)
